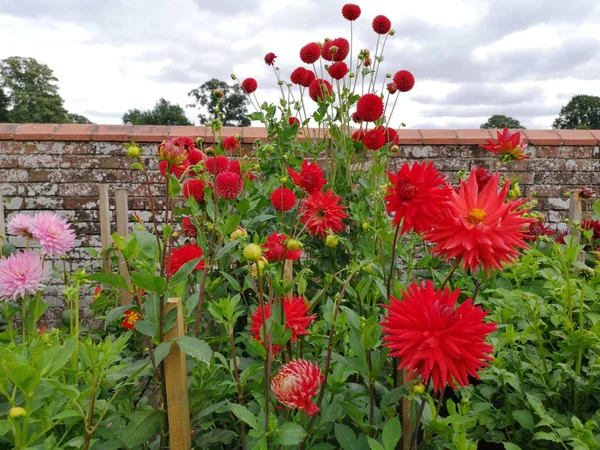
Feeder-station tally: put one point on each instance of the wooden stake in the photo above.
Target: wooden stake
(178, 406)
(105, 234)
(2, 224)
(123, 230)
(575, 217)
(288, 270)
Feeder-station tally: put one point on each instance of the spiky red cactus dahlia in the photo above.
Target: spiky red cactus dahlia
(310, 179)
(283, 199)
(320, 90)
(249, 85)
(310, 53)
(193, 188)
(436, 340)
(509, 145)
(296, 384)
(374, 139)
(338, 70)
(369, 107)
(275, 249)
(270, 58)
(184, 254)
(351, 11)
(322, 213)
(228, 185)
(381, 24)
(418, 196)
(404, 80)
(335, 50)
(480, 228)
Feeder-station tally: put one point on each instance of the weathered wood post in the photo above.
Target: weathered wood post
(123, 230)
(178, 406)
(2, 223)
(105, 234)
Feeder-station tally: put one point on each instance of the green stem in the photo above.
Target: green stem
(393, 261)
(580, 351)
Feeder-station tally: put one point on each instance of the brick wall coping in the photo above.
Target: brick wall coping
(155, 133)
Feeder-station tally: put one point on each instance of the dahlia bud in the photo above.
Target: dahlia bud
(333, 49)
(294, 244)
(351, 75)
(280, 83)
(209, 150)
(514, 192)
(133, 151)
(395, 148)
(419, 389)
(367, 62)
(199, 141)
(365, 226)
(368, 268)
(17, 413)
(233, 77)
(210, 226)
(388, 75)
(238, 233)
(586, 192)
(332, 241)
(269, 148)
(170, 152)
(252, 252)
(392, 32)
(285, 157)
(283, 180)
(261, 264)
(392, 88)
(175, 235)
(218, 93)
(256, 167)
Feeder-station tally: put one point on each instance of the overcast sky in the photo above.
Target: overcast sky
(471, 58)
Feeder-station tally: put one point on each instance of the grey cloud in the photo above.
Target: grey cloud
(533, 109)
(227, 6)
(482, 94)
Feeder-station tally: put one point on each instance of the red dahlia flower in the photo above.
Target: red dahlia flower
(367, 62)
(509, 146)
(296, 319)
(335, 50)
(228, 185)
(321, 213)
(483, 176)
(480, 228)
(296, 384)
(418, 196)
(234, 166)
(391, 135)
(310, 179)
(172, 152)
(293, 121)
(434, 338)
(310, 53)
(189, 229)
(369, 107)
(320, 90)
(404, 80)
(298, 75)
(177, 170)
(358, 135)
(131, 317)
(309, 77)
(217, 164)
(283, 199)
(381, 25)
(338, 70)
(195, 156)
(351, 11)
(230, 143)
(392, 88)
(249, 85)
(184, 254)
(538, 228)
(270, 58)
(374, 139)
(275, 249)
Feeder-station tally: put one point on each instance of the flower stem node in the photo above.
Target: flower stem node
(293, 244)
(17, 413)
(252, 252)
(332, 241)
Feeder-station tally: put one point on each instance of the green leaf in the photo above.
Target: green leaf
(194, 347)
(242, 413)
(225, 250)
(232, 281)
(147, 242)
(56, 357)
(510, 446)
(115, 313)
(22, 376)
(373, 444)
(392, 432)
(161, 352)
(345, 436)
(146, 328)
(149, 282)
(110, 279)
(142, 426)
(231, 224)
(183, 273)
(525, 418)
(37, 308)
(290, 433)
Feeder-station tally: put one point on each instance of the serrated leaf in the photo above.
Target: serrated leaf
(142, 426)
(290, 433)
(196, 348)
(525, 418)
(244, 414)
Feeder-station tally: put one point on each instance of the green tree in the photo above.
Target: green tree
(501, 121)
(234, 104)
(3, 106)
(32, 93)
(582, 112)
(78, 118)
(163, 113)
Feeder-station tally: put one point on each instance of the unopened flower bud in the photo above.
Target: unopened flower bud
(419, 389)
(17, 413)
(218, 93)
(392, 88)
(283, 180)
(261, 265)
(209, 150)
(238, 233)
(392, 32)
(172, 153)
(368, 268)
(294, 244)
(351, 75)
(233, 77)
(388, 75)
(332, 241)
(365, 226)
(395, 148)
(210, 226)
(280, 83)
(133, 151)
(252, 252)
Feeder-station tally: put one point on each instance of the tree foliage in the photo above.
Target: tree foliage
(234, 104)
(3, 106)
(501, 121)
(78, 118)
(582, 112)
(163, 113)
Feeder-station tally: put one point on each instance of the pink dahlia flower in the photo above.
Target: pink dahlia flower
(21, 274)
(20, 225)
(54, 233)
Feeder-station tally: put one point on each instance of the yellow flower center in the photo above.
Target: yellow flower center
(476, 216)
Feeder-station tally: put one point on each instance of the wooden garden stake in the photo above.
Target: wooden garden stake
(288, 270)
(575, 217)
(123, 230)
(2, 224)
(178, 407)
(105, 234)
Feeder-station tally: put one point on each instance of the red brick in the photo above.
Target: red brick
(554, 152)
(439, 137)
(596, 134)
(410, 137)
(74, 132)
(473, 137)
(149, 133)
(577, 137)
(543, 137)
(112, 133)
(582, 152)
(250, 134)
(189, 131)
(35, 132)
(7, 130)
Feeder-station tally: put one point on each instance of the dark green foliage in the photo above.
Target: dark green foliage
(163, 113)
(234, 104)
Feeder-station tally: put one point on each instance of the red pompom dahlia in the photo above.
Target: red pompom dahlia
(189, 229)
(358, 135)
(310, 179)
(217, 164)
(418, 196)
(230, 143)
(351, 11)
(193, 188)
(228, 185)
(249, 85)
(275, 249)
(335, 50)
(480, 228)
(338, 70)
(234, 166)
(293, 121)
(434, 338)
(404, 80)
(283, 199)
(310, 53)
(195, 156)
(374, 139)
(391, 135)
(369, 107)
(320, 90)
(298, 76)
(321, 213)
(296, 384)
(381, 25)
(270, 58)
(184, 254)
